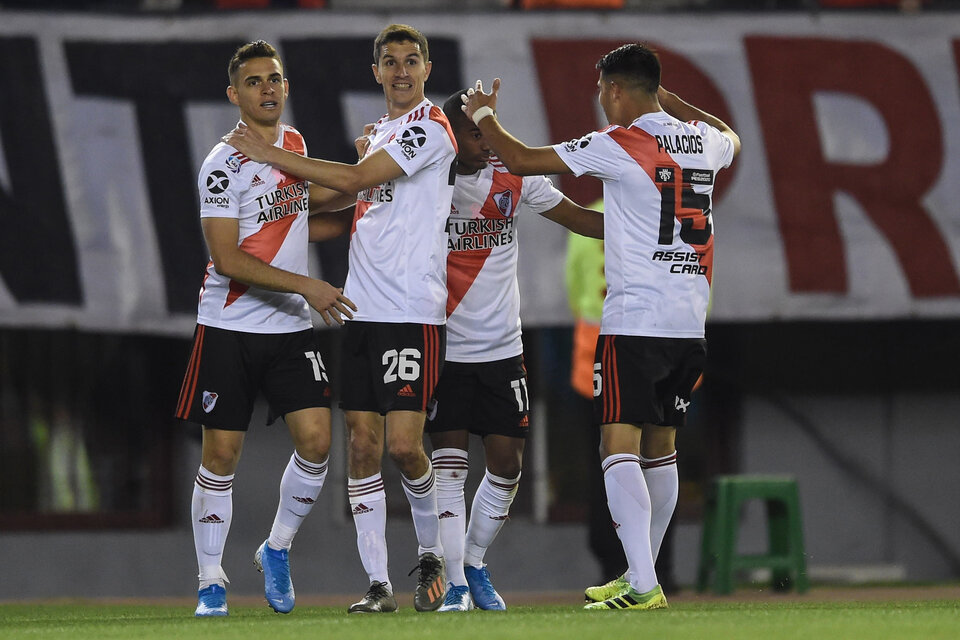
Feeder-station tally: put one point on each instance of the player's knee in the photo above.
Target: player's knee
(314, 450)
(505, 471)
(405, 454)
(221, 460)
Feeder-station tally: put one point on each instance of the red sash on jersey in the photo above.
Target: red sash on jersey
(266, 242)
(464, 266)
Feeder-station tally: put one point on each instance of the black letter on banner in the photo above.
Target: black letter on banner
(160, 78)
(38, 261)
(316, 99)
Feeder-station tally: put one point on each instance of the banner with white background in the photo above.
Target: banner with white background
(844, 204)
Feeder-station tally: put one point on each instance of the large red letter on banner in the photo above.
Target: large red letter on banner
(787, 73)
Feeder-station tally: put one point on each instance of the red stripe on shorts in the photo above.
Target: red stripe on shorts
(611, 382)
(189, 385)
(429, 363)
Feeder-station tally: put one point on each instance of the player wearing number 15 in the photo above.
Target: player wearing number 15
(658, 159)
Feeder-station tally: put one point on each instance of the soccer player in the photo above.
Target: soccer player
(254, 332)
(483, 388)
(393, 347)
(658, 159)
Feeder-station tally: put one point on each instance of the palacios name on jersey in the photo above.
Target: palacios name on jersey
(688, 144)
(478, 233)
(284, 200)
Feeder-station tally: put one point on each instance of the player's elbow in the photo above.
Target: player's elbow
(225, 262)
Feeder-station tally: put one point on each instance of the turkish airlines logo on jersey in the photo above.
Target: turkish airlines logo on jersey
(217, 182)
(579, 143)
(504, 202)
(412, 139)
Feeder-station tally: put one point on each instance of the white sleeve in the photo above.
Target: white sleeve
(419, 144)
(539, 194)
(219, 187)
(719, 146)
(590, 155)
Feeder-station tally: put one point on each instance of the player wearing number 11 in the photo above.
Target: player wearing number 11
(658, 160)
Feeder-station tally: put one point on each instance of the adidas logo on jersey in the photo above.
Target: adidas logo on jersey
(210, 519)
(361, 508)
(447, 514)
(407, 392)
(257, 181)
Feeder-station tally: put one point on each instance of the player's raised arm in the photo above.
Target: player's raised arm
(375, 169)
(520, 159)
(685, 111)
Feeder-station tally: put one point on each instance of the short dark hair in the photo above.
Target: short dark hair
(400, 33)
(258, 49)
(452, 109)
(633, 64)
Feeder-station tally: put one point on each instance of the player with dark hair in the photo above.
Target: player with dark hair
(393, 347)
(657, 159)
(483, 389)
(255, 333)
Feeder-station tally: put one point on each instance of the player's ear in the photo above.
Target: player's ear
(232, 95)
(376, 73)
(428, 66)
(286, 88)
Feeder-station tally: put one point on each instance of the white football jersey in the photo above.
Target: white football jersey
(272, 208)
(658, 176)
(398, 256)
(483, 299)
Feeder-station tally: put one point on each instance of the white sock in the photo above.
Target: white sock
(663, 484)
(301, 484)
(490, 509)
(451, 468)
(629, 505)
(422, 496)
(212, 512)
(368, 502)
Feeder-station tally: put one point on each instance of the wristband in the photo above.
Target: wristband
(482, 113)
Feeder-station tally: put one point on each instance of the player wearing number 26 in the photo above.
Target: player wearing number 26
(658, 161)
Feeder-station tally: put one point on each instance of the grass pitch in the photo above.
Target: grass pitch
(773, 618)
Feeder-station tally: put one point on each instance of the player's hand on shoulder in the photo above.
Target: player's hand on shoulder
(329, 302)
(248, 142)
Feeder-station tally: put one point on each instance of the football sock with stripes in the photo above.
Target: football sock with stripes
(368, 502)
(629, 504)
(422, 495)
(301, 484)
(490, 509)
(451, 468)
(212, 511)
(663, 485)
